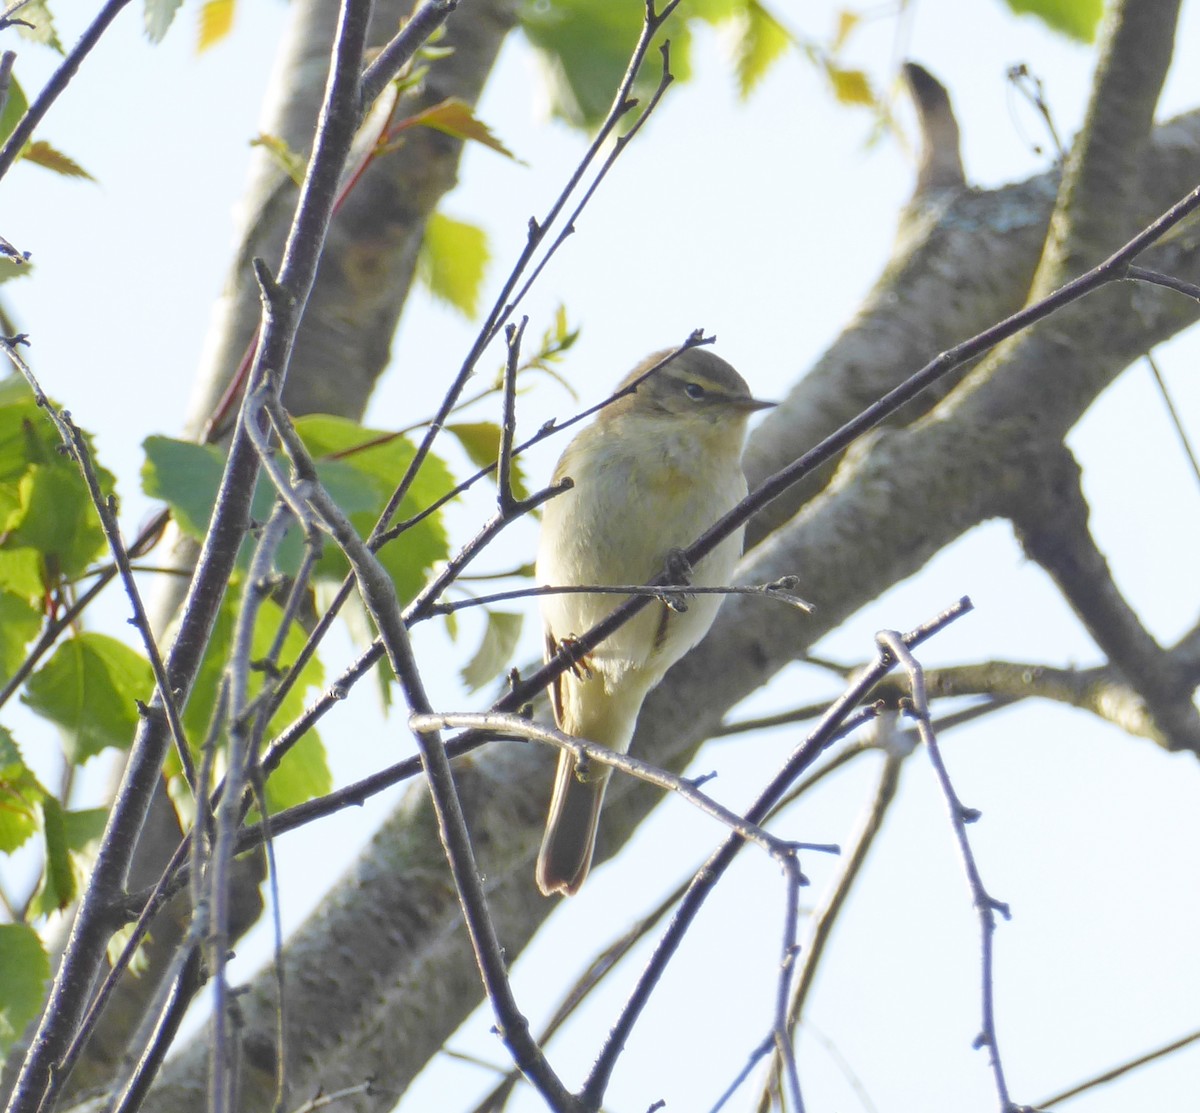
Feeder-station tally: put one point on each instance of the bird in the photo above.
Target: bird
(655, 469)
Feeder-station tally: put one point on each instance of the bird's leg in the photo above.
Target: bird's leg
(678, 570)
(579, 659)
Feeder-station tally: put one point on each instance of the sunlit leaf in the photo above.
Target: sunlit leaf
(24, 971)
(370, 464)
(495, 652)
(90, 688)
(452, 262)
(1077, 19)
(216, 21)
(759, 42)
(158, 17)
(21, 571)
(15, 105)
(455, 117)
(21, 797)
(36, 24)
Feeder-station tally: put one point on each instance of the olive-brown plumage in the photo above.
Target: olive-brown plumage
(651, 474)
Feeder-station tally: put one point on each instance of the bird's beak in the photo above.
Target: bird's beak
(751, 404)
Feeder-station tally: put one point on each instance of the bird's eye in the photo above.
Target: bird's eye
(694, 391)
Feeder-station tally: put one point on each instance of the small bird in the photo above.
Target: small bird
(654, 470)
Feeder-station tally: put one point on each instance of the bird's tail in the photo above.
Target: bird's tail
(570, 838)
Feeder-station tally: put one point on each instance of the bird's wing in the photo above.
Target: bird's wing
(556, 686)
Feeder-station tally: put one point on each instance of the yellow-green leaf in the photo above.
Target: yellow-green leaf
(15, 105)
(761, 39)
(452, 262)
(21, 796)
(1077, 19)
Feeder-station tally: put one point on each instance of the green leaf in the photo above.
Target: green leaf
(584, 48)
(21, 797)
(304, 770)
(84, 826)
(759, 42)
(21, 572)
(56, 517)
(44, 504)
(24, 972)
(494, 654)
(1077, 19)
(481, 442)
(89, 688)
(19, 623)
(159, 15)
(452, 261)
(58, 884)
(37, 13)
(14, 108)
(185, 475)
(302, 775)
(14, 266)
(378, 461)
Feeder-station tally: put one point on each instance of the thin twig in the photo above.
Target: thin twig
(1176, 421)
(1123, 1068)
(508, 423)
(404, 45)
(517, 727)
(707, 878)
(379, 595)
(985, 905)
(85, 949)
(822, 922)
(777, 589)
(1169, 281)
